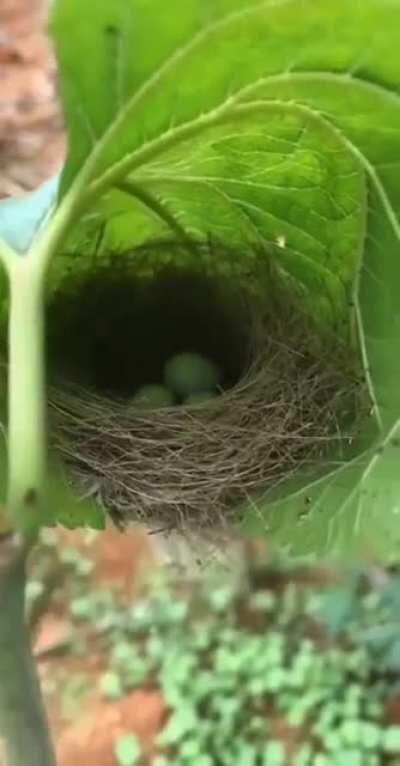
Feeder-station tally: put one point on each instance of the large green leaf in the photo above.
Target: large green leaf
(255, 122)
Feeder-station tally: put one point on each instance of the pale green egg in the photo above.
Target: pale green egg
(152, 397)
(190, 373)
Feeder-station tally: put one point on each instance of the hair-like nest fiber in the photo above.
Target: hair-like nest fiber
(193, 468)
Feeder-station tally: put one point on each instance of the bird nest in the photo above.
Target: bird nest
(195, 467)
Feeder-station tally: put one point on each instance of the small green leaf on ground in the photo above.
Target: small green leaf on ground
(127, 750)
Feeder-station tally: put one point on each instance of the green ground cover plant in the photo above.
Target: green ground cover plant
(279, 664)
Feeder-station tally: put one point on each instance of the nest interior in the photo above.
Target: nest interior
(114, 332)
(289, 393)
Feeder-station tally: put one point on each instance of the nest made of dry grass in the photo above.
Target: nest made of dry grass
(194, 467)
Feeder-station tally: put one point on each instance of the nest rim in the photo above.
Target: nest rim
(196, 467)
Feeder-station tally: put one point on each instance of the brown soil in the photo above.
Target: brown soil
(119, 559)
(84, 726)
(90, 740)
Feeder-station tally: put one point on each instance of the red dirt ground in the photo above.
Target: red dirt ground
(91, 739)
(84, 725)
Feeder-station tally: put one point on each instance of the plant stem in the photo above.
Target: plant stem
(7, 254)
(23, 726)
(26, 396)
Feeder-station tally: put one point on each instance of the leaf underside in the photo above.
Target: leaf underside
(249, 123)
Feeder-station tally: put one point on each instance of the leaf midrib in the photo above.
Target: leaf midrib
(150, 150)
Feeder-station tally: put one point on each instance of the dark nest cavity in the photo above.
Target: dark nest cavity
(288, 396)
